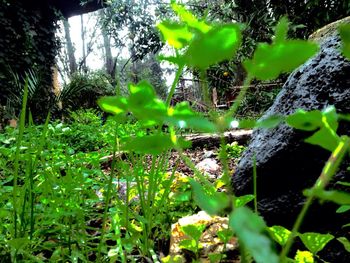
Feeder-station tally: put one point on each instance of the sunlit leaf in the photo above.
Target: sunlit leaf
(179, 60)
(189, 244)
(343, 209)
(183, 116)
(304, 257)
(194, 231)
(113, 104)
(152, 144)
(225, 235)
(305, 120)
(218, 44)
(281, 30)
(269, 61)
(176, 35)
(326, 138)
(327, 121)
(279, 234)
(212, 203)
(344, 31)
(345, 242)
(315, 242)
(269, 122)
(249, 228)
(242, 200)
(340, 198)
(188, 18)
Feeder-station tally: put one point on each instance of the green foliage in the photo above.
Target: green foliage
(28, 43)
(344, 31)
(269, 61)
(83, 90)
(315, 242)
(234, 150)
(250, 228)
(57, 197)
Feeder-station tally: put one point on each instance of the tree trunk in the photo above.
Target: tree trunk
(109, 61)
(83, 62)
(70, 49)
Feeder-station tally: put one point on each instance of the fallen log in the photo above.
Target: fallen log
(210, 140)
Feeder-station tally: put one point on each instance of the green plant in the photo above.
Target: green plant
(192, 38)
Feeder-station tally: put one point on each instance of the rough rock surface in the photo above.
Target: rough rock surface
(286, 165)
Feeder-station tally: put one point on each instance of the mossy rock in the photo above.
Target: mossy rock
(329, 30)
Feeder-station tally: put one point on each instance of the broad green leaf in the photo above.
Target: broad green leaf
(281, 30)
(215, 257)
(327, 121)
(345, 242)
(179, 60)
(176, 35)
(188, 18)
(340, 198)
(113, 104)
(315, 242)
(184, 117)
(194, 231)
(240, 201)
(246, 123)
(343, 209)
(305, 120)
(279, 234)
(249, 229)
(218, 44)
(189, 244)
(326, 138)
(212, 203)
(269, 122)
(269, 61)
(225, 235)
(344, 31)
(145, 105)
(152, 144)
(304, 257)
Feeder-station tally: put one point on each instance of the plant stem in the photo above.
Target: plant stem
(173, 86)
(108, 197)
(327, 174)
(17, 155)
(255, 185)
(240, 97)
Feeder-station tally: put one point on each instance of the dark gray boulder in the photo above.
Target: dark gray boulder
(286, 165)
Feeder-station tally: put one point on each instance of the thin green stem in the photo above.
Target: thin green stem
(327, 174)
(108, 196)
(17, 155)
(255, 185)
(205, 89)
(240, 97)
(173, 86)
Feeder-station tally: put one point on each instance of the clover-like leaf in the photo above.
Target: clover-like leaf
(305, 120)
(175, 34)
(280, 234)
(269, 61)
(188, 18)
(113, 104)
(218, 44)
(315, 242)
